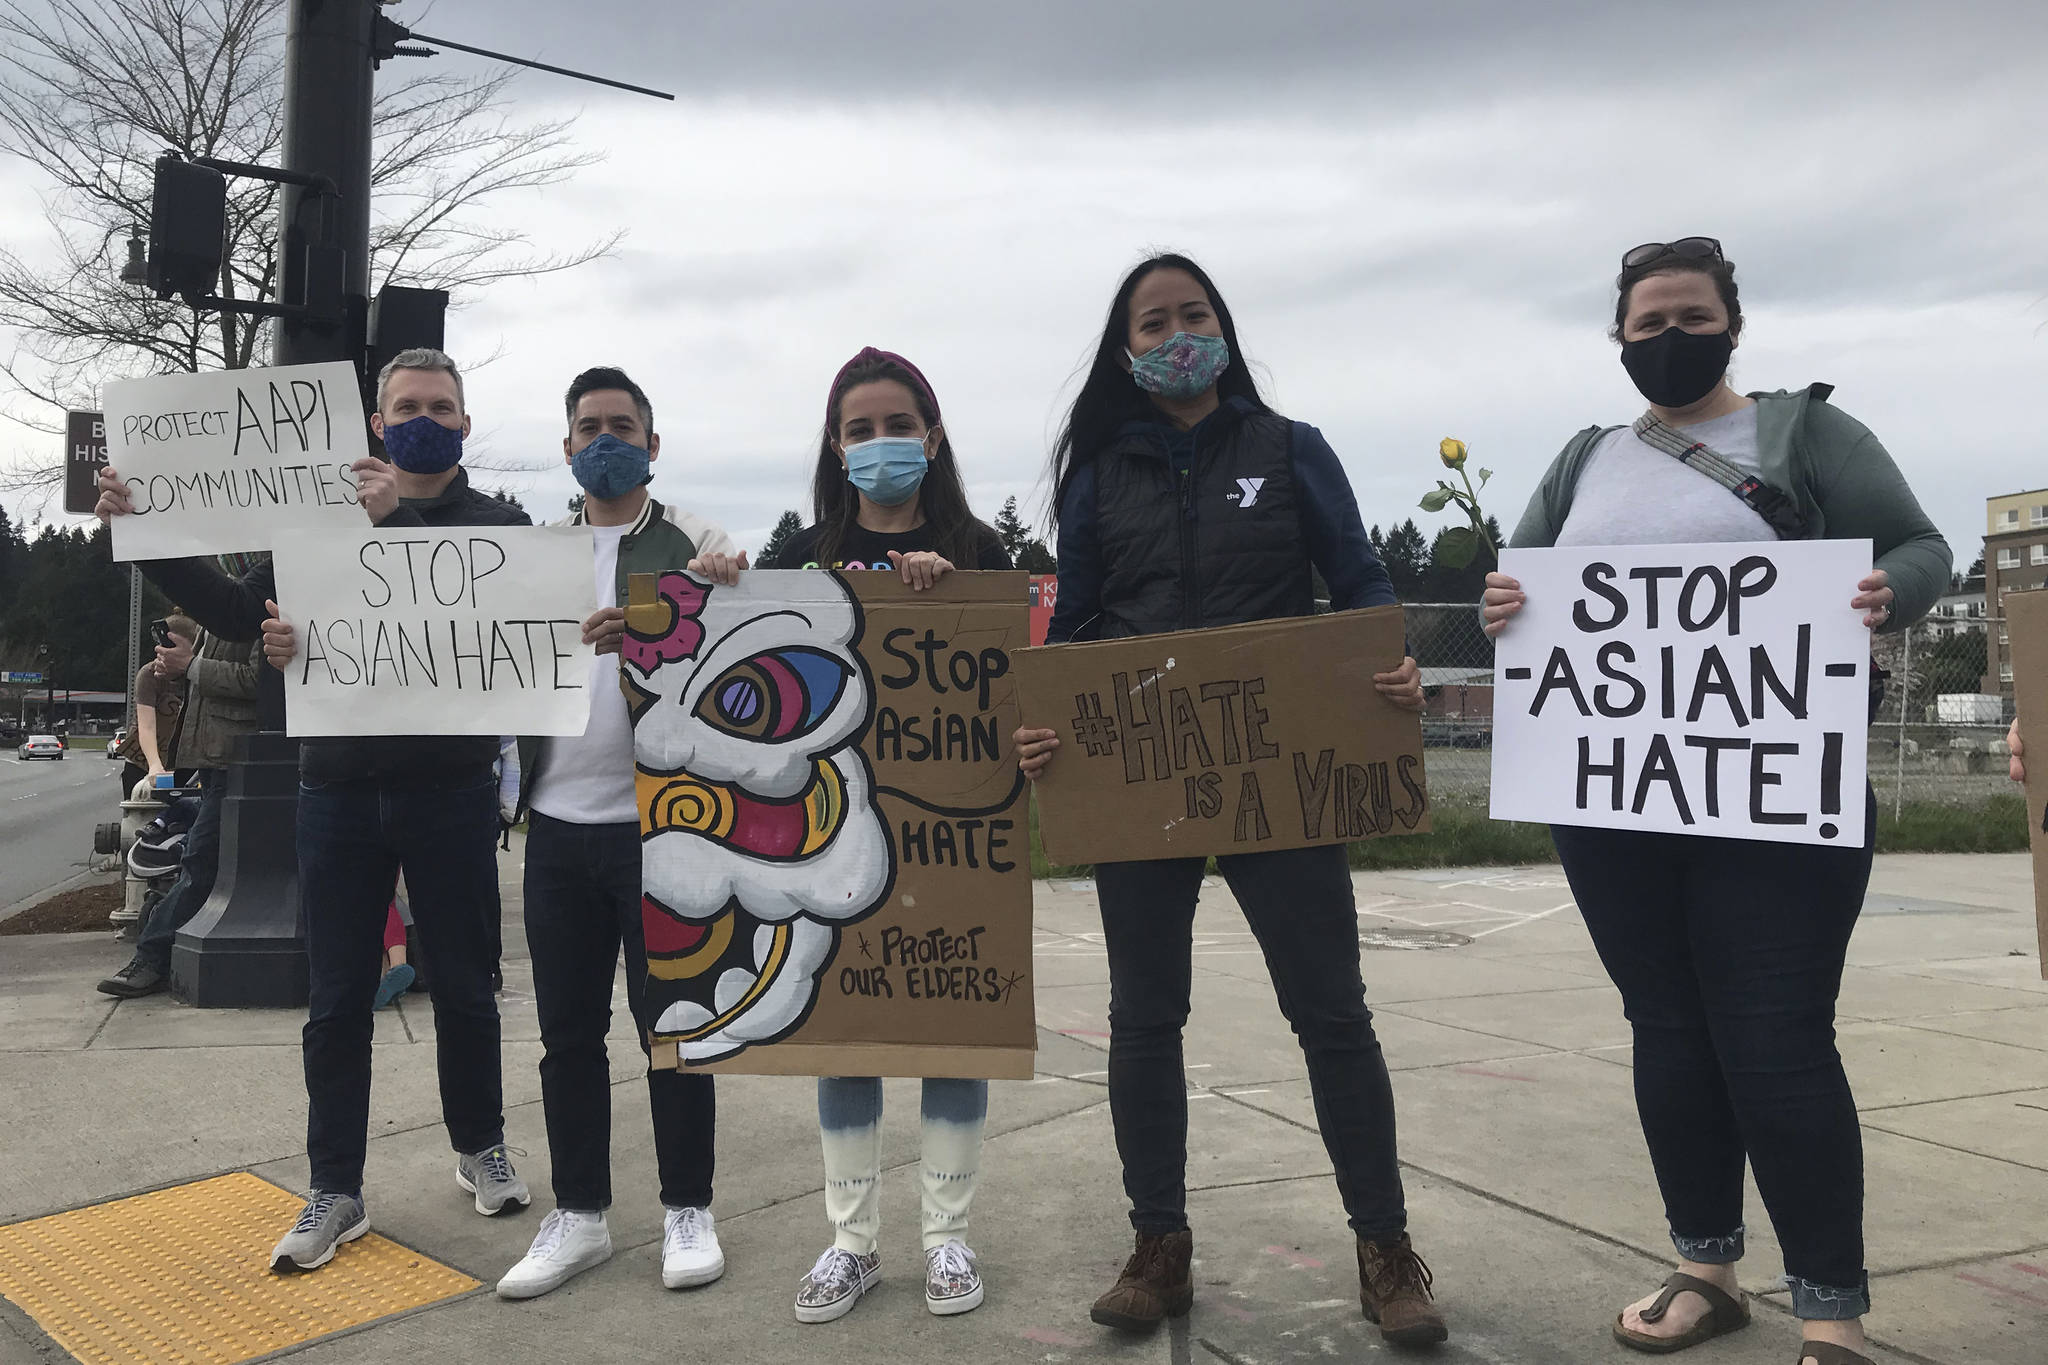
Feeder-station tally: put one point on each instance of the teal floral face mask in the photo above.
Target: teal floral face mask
(1183, 366)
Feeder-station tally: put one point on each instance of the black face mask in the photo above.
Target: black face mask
(1677, 368)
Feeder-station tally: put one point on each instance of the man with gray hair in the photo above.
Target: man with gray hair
(369, 805)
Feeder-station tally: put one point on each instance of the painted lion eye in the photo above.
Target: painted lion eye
(775, 696)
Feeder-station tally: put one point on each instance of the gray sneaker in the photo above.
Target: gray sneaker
(835, 1285)
(324, 1224)
(137, 979)
(489, 1176)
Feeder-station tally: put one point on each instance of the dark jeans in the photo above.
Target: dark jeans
(582, 905)
(1728, 954)
(353, 837)
(196, 871)
(1300, 907)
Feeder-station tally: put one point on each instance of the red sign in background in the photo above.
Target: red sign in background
(1044, 592)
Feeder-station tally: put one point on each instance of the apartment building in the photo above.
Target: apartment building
(2015, 559)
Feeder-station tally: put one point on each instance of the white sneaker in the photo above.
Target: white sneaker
(570, 1242)
(835, 1285)
(690, 1254)
(951, 1283)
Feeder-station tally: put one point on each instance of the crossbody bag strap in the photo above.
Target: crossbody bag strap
(1774, 505)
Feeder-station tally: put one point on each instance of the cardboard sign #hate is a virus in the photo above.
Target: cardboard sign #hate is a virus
(1691, 689)
(1238, 739)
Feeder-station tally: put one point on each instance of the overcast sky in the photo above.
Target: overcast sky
(1415, 212)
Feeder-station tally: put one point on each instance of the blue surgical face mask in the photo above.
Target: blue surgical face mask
(888, 469)
(610, 468)
(1183, 366)
(423, 446)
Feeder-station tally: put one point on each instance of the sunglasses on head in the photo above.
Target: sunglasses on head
(1693, 248)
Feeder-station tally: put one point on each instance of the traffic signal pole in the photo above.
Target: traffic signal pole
(246, 946)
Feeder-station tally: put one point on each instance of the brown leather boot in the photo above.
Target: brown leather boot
(1393, 1288)
(1156, 1284)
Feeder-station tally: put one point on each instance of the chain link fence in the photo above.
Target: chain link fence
(1939, 738)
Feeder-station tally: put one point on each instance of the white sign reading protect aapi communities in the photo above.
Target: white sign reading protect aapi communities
(234, 460)
(458, 630)
(1691, 689)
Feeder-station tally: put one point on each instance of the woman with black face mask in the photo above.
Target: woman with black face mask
(1728, 952)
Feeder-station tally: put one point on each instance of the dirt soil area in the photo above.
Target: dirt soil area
(81, 910)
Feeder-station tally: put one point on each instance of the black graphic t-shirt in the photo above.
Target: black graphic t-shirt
(865, 549)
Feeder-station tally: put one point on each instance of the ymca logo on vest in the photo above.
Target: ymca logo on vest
(1247, 493)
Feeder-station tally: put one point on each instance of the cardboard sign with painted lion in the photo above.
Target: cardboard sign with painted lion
(835, 859)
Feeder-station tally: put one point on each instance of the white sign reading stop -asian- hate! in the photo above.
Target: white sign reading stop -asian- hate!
(1691, 689)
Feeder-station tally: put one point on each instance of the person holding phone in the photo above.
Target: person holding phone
(219, 678)
(151, 746)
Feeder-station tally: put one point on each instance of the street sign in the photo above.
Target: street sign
(85, 454)
(20, 677)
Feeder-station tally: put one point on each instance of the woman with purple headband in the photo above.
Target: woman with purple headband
(887, 495)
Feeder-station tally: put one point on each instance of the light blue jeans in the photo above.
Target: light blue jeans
(954, 1114)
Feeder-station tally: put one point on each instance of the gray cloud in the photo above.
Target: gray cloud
(1415, 210)
(1119, 53)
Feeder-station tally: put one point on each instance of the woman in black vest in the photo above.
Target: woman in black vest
(1183, 501)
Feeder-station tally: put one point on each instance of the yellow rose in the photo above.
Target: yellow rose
(1453, 452)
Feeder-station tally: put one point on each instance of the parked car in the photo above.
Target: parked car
(11, 735)
(42, 746)
(114, 744)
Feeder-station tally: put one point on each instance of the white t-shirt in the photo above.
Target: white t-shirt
(1630, 493)
(589, 780)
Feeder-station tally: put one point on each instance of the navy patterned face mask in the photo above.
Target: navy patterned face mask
(610, 468)
(423, 446)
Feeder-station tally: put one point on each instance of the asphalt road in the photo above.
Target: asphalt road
(47, 814)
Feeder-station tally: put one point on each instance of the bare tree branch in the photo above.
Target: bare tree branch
(92, 91)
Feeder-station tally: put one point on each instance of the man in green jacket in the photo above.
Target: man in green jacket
(582, 887)
(220, 704)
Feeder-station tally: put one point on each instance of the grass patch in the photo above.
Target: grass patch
(1459, 836)
(1463, 836)
(81, 743)
(1999, 825)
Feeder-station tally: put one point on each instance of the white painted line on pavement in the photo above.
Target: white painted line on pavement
(1546, 914)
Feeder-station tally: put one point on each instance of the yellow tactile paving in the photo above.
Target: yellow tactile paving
(182, 1277)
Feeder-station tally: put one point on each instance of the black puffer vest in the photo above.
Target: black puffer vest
(1224, 547)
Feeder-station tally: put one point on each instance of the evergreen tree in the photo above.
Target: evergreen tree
(788, 525)
(1406, 555)
(1011, 531)
(1035, 558)
(10, 568)
(1446, 584)
(71, 599)
(575, 504)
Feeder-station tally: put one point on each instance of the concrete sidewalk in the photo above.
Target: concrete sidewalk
(1529, 1190)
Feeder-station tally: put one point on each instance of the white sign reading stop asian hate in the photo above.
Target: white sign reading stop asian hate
(234, 460)
(1691, 689)
(461, 630)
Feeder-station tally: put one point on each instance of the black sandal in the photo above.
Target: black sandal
(1724, 1315)
(1827, 1353)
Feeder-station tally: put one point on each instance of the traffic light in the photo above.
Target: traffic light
(402, 317)
(188, 228)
